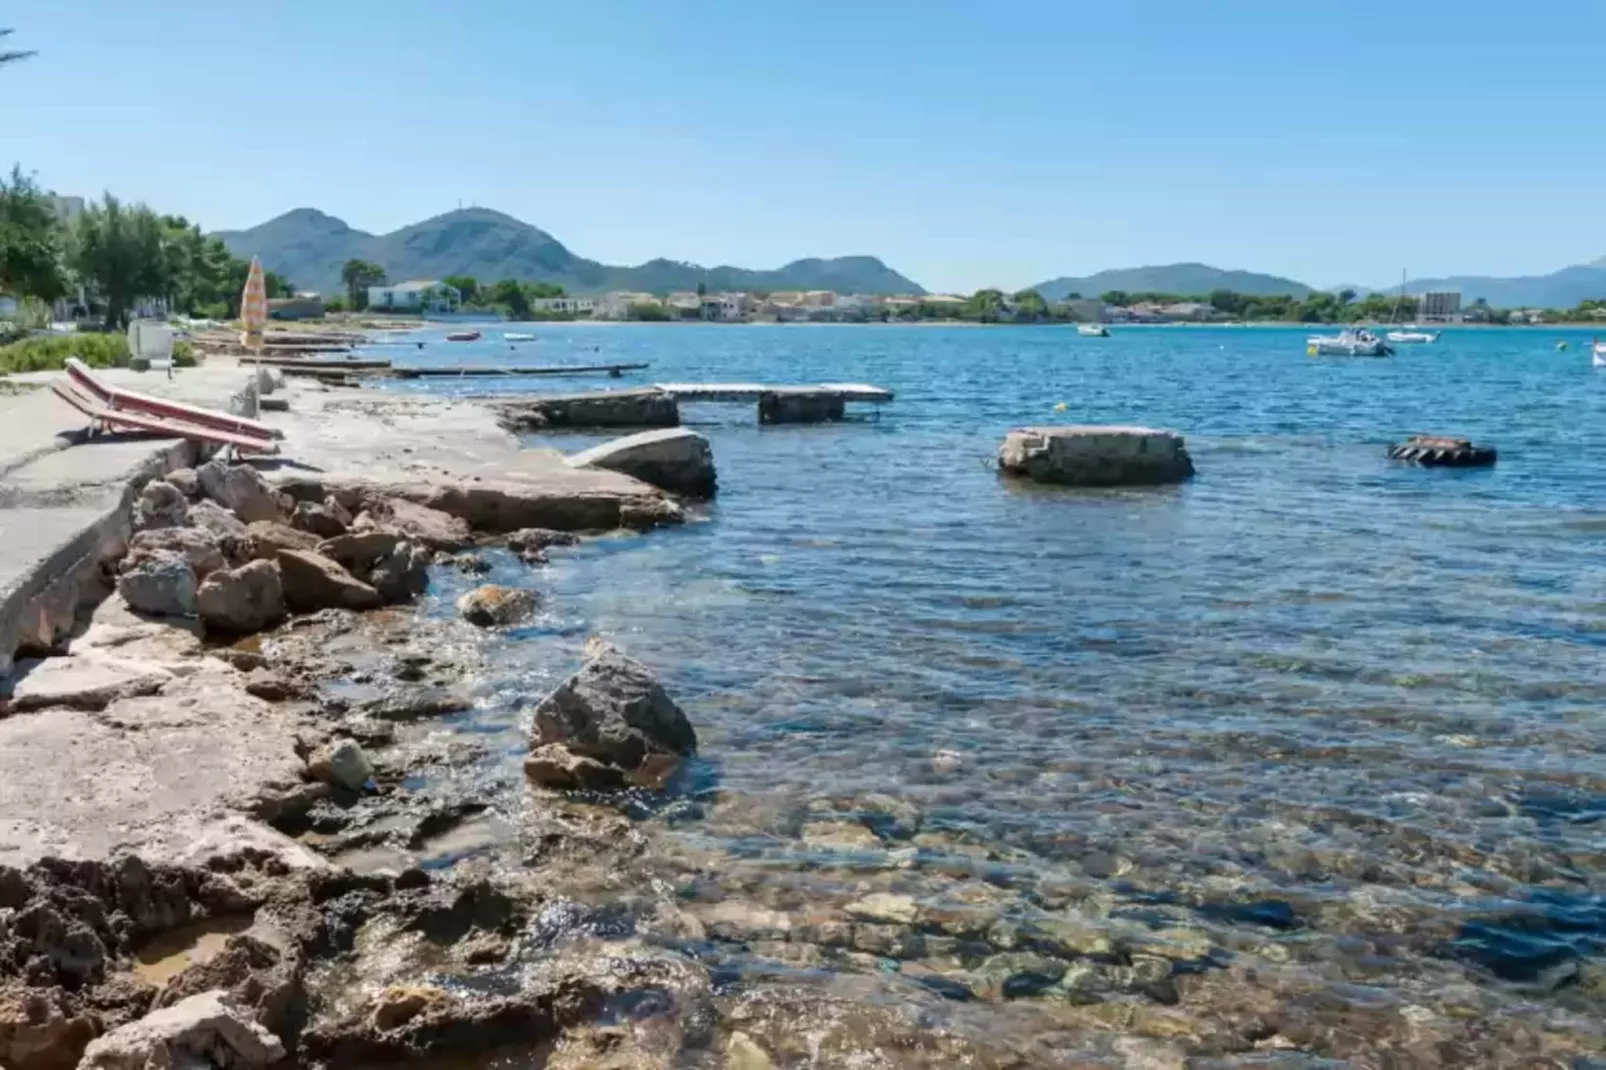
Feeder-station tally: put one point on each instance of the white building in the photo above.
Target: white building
(419, 295)
(616, 305)
(1443, 306)
(574, 306)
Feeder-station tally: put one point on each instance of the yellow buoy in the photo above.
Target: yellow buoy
(1561, 345)
(1310, 351)
(1061, 407)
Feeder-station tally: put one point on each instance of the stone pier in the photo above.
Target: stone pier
(800, 405)
(598, 408)
(1095, 455)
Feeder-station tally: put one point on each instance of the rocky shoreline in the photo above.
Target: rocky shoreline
(245, 830)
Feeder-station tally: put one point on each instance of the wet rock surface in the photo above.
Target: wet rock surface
(493, 605)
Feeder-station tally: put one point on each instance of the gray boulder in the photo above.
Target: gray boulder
(673, 458)
(312, 582)
(240, 488)
(1095, 455)
(201, 1031)
(218, 520)
(341, 763)
(431, 527)
(243, 600)
(615, 711)
(318, 519)
(392, 564)
(492, 605)
(186, 481)
(197, 545)
(160, 583)
(160, 505)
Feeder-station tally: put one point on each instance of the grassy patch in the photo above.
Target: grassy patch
(49, 353)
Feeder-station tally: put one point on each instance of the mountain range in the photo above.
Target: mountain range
(309, 247)
(1189, 279)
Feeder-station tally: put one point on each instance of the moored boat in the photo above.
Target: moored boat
(1350, 342)
(1092, 330)
(1410, 337)
(1598, 354)
(463, 336)
(514, 336)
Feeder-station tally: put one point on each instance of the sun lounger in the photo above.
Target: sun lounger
(121, 400)
(106, 416)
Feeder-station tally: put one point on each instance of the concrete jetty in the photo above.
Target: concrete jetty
(1095, 455)
(659, 405)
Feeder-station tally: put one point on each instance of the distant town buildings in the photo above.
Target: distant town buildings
(574, 306)
(419, 295)
(1440, 306)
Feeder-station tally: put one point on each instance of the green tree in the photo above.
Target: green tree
(118, 251)
(1116, 297)
(30, 241)
(357, 275)
(647, 313)
(545, 289)
(1030, 306)
(984, 305)
(9, 56)
(467, 285)
(511, 297)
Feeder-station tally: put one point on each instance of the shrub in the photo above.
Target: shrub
(50, 352)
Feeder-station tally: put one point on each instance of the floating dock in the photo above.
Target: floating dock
(755, 391)
(497, 371)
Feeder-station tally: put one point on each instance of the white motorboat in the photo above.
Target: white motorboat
(516, 337)
(1412, 337)
(1350, 342)
(1092, 330)
(1598, 354)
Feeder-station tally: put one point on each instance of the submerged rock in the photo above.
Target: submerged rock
(240, 489)
(160, 505)
(244, 600)
(196, 1032)
(160, 583)
(493, 605)
(885, 907)
(615, 711)
(1095, 456)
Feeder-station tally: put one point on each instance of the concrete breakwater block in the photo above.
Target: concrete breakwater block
(598, 408)
(1438, 451)
(1095, 455)
(672, 458)
(800, 405)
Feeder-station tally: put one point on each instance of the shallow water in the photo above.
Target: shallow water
(1310, 700)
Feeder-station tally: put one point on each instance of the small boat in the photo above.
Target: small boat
(1598, 354)
(1410, 337)
(1092, 330)
(463, 336)
(1350, 342)
(515, 336)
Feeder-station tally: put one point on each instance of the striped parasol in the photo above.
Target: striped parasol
(254, 305)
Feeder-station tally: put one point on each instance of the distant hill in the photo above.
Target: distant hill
(1192, 279)
(309, 247)
(1559, 289)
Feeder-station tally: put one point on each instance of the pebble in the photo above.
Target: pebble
(884, 907)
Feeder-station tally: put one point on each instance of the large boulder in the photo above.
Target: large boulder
(614, 711)
(673, 458)
(493, 605)
(201, 1031)
(240, 488)
(198, 546)
(387, 561)
(323, 519)
(312, 582)
(265, 538)
(160, 505)
(218, 520)
(186, 481)
(243, 600)
(1095, 456)
(160, 583)
(431, 527)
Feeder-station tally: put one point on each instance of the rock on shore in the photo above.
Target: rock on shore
(492, 605)
(1095, 455)
(243, 600)
(673, 458)
(613, 712)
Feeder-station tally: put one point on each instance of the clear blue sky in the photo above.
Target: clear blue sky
(966, 144)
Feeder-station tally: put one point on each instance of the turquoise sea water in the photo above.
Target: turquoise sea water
(1369, 695)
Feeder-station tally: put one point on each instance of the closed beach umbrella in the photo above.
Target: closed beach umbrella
(254, 305)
